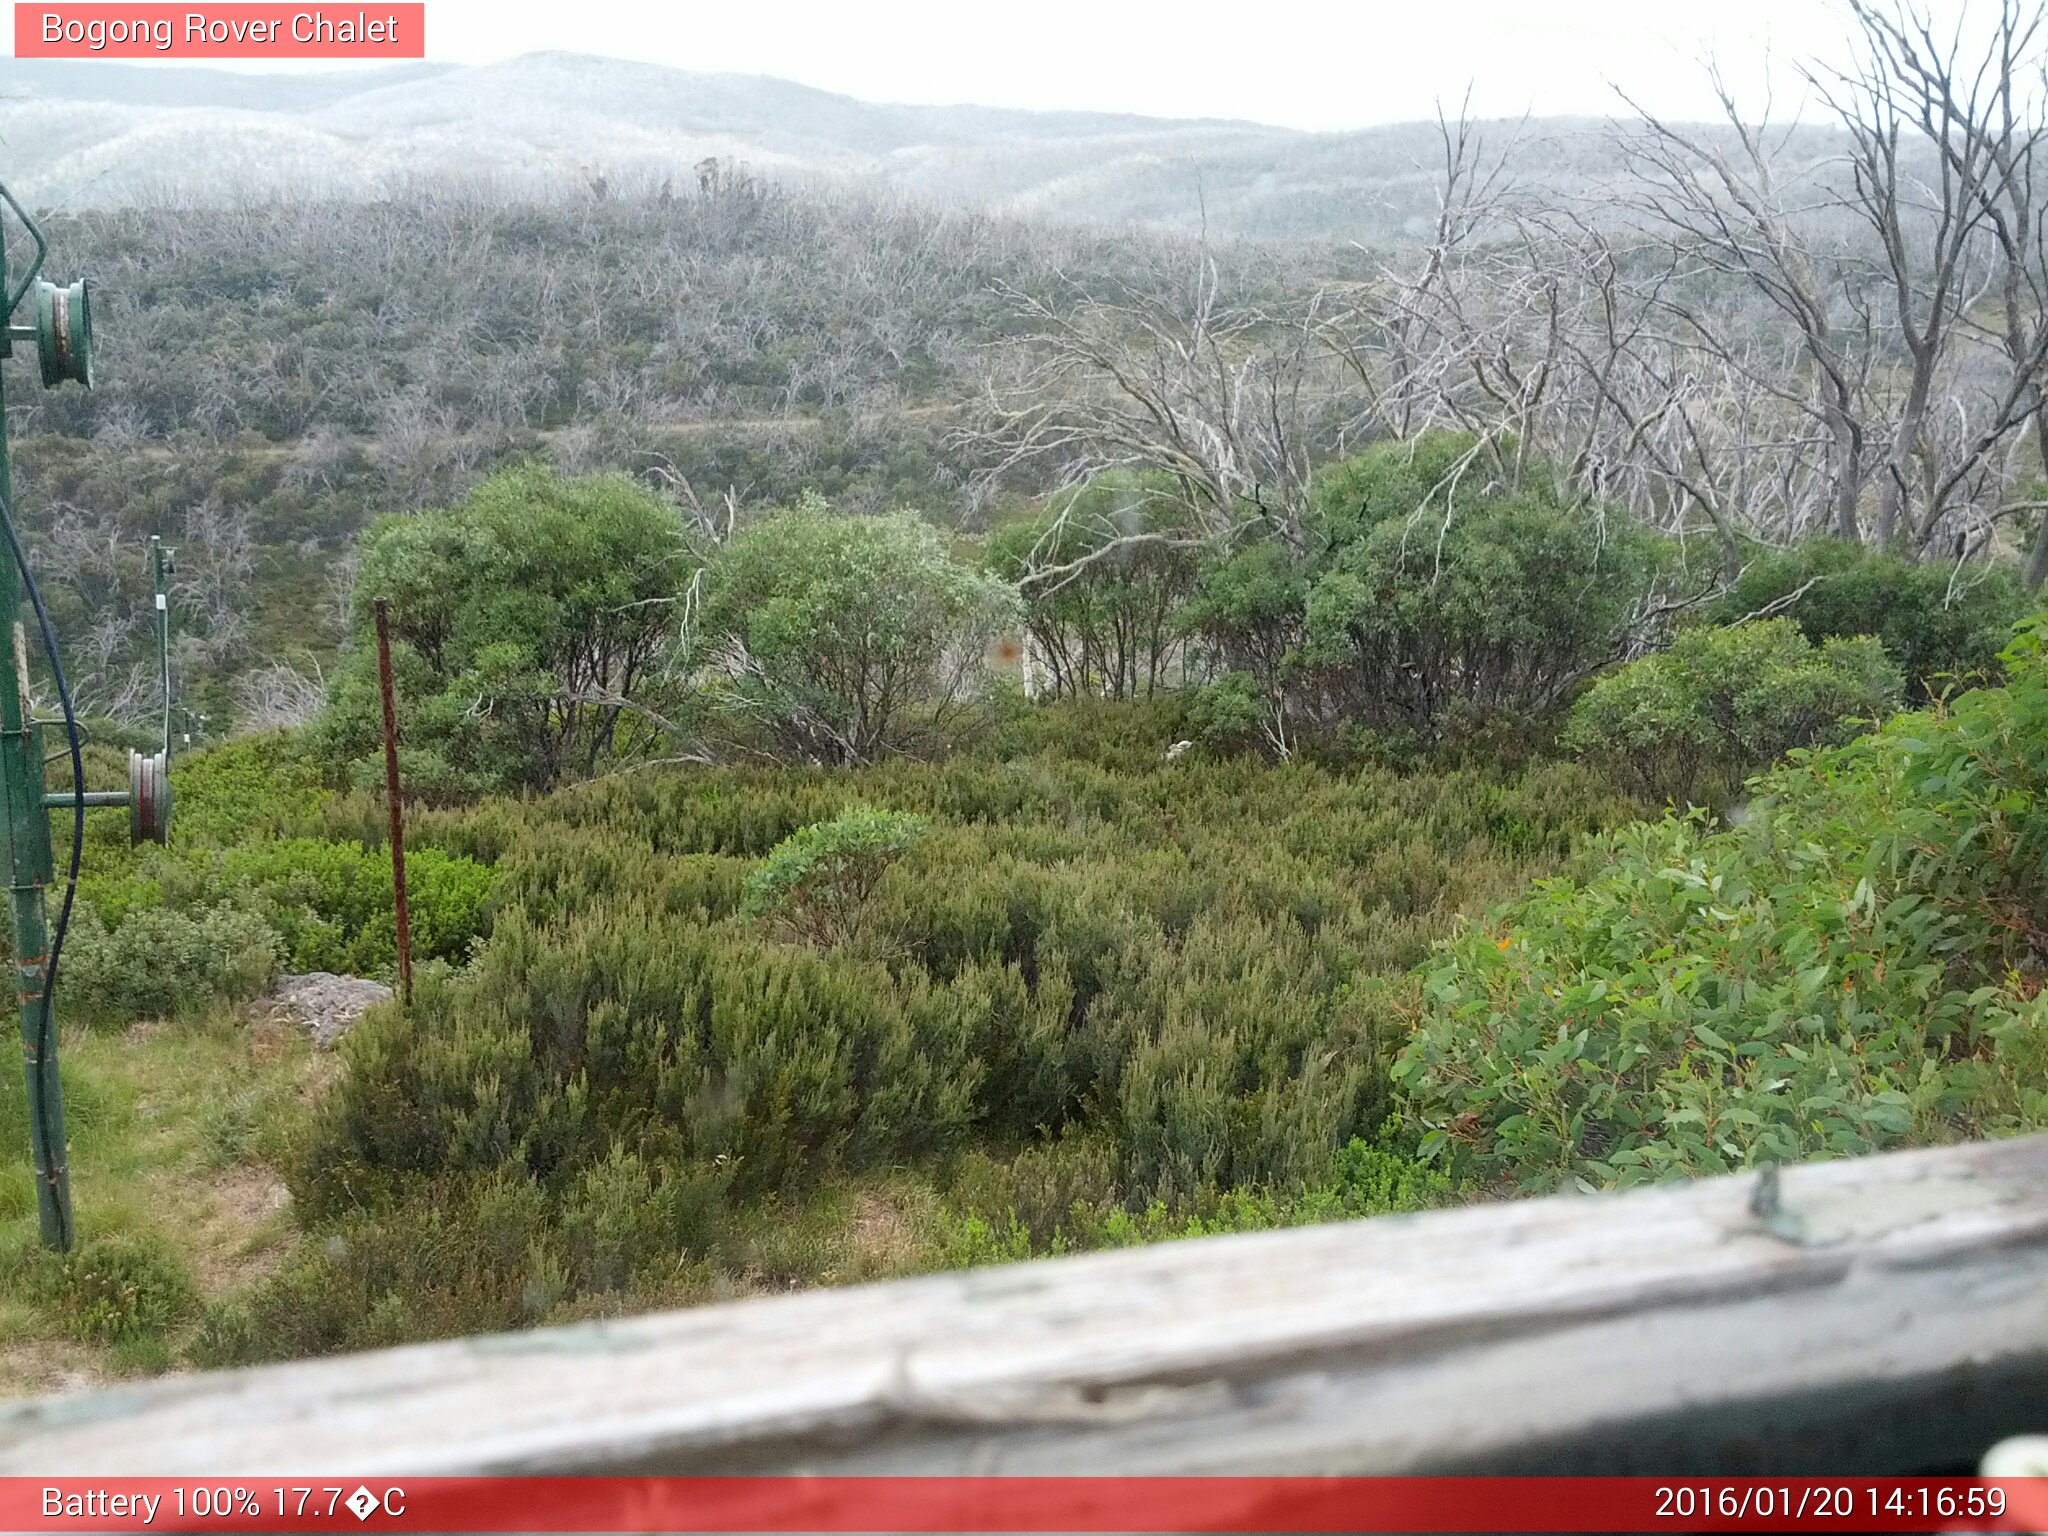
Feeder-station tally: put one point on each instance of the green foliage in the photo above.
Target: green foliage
(1445, 597)
(467, 1256)
(161, 962)
(833, 639)
(519, 619)
(1230, 714)
(1722, 703)
(1430, 602)
(1943, 625)
(1854, 967)
(114, 1288)
(821, 881)
(1105, 569)
(244, 790)
(331, 903)
(1061, 1196)
(1247, 616)
(245, 888)
(1124, 737)
(328, 904)
(1164, 983)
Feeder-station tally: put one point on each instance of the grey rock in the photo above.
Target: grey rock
(327, 1005)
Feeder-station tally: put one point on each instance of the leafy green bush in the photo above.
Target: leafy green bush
(1104, 571)
(1852, 968)
(114, 1288)
(160, 962)
(1229, 715)
(1428, 601)
(328, 903)
(1060, 1197)
(244, 889)
(1247, 617)
(835, 639)
(820, 882)
(244, 790)
(1445, 598)
(1942, 624)
(519, 619)
(462, 1256)
(1721, 703)
(1138, 985)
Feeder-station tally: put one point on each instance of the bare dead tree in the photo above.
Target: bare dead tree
(1729, 211)
(279, 696)
(1985, 113)
(1217, 393)
(1930, 120)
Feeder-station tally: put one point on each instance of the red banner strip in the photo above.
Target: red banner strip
(1023, 1504)
(374, 30)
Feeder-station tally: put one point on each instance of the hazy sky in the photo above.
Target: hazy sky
(1327, 65)
(1306, 65)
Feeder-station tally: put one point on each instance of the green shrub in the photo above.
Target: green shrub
(245, 790)
(1445, 598)
(1430, 601)
(1062, 1197)
(1246, 617)
(114, 1288)
(1104, 570)
(458, 1257)
(518, 618)
(1847, 970)
(832, 639)
(1139, 983)
(1121, 736)
(1942, 624)
(161, 962)
(1229, 715)
(1722, 703)
(622, 1220)
(821, 882)
(329, 903)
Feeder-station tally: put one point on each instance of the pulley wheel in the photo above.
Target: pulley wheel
(149, 798)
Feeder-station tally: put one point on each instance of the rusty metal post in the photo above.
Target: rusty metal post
(396, 804)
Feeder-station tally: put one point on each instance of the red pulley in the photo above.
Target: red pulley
(149, 798)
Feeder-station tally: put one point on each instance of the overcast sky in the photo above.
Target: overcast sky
(1307, 65)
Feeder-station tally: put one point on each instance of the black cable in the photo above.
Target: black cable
(46, 1015)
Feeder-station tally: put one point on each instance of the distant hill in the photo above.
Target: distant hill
(81, 134)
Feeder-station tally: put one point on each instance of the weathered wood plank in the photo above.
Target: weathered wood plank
(1888, 1312)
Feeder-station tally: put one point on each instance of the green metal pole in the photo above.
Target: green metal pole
(29, 870)
(163, 635)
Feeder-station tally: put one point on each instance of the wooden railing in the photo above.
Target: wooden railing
(1881, 1314)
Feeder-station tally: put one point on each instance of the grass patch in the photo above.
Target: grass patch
(177, 1132)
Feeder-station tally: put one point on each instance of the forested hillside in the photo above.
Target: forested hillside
(273, 378)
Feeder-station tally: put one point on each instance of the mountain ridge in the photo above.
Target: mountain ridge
(552, 123)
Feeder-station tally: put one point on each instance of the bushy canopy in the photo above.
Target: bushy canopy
(1722, 703)
(1853, 967)
(1427, 595)
(1105, 569)
(1944, 624)
(521, 618)
(842, 639)
(1444, 595)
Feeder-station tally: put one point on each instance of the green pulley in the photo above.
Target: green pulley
(64, 333)
(149, 798)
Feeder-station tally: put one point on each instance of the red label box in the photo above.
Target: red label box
(376, 30)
